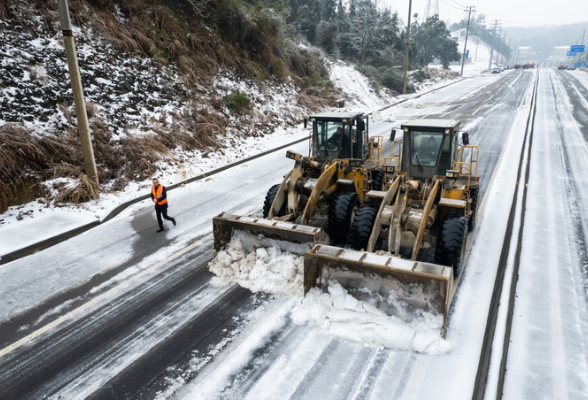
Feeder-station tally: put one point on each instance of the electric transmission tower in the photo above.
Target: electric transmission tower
(432, 8)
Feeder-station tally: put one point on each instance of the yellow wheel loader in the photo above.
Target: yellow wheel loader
(317, 200)
(411, 236)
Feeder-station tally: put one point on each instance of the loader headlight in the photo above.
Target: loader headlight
(292, 155)
(452, 174)
(388, 168)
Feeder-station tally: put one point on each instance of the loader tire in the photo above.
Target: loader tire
(362, 226)
(377, 179)
(269, 199)
(451, 243)
(474, 193)
(341, 215)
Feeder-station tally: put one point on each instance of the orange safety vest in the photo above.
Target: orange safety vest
(158, 194)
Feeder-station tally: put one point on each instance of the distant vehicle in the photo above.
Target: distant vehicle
(496, 70)
(571, 68)
(561, 66)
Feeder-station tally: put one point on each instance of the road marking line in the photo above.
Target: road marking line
(96, 300)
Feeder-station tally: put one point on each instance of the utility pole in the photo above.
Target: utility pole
(492, 48)
(432, 8)
(509, 40)
(407, 46)
(76, 84)
(499, 44)
(502, 43)
(466, 40)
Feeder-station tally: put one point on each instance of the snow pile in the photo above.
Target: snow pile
(340, 314)
(261, 264)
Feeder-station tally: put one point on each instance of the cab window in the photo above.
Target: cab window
(425, 148)
(333, 140)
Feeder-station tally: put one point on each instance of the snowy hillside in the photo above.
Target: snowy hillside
(478, 56)
(188, 130)
(130, 97)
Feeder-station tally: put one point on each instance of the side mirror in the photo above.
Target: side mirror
(392, 134)
(360, 125)
(465, 138)
(305, 122)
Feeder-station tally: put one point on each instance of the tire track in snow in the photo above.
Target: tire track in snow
(572, 146)
(560, 389)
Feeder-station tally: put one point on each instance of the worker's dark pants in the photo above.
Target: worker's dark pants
(161, 210)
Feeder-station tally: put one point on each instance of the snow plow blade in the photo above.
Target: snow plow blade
(417, 285)
(224, 226)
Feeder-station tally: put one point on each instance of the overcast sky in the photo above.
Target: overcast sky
(512, 13)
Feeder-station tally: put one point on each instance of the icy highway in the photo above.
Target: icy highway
(120, 312)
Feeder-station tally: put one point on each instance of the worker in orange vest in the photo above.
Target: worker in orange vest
(159, 197)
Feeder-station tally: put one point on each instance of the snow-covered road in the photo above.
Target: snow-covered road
(548, 353)
(316, 365)
(551, 359)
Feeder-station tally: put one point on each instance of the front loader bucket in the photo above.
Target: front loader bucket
(225, 225)
(417, 285)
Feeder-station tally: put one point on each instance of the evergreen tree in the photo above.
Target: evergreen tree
(329, 9)
(374, 33)
(352, 9)
(433, 40)
(341, 11)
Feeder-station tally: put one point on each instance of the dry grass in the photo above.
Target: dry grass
(14, 149)
(3, 12)
(27, 160)
(22, 158)
(312, 99)
(82, 189)
(442, 73)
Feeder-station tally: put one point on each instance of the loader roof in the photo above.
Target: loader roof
(334, 115)
(432, 123)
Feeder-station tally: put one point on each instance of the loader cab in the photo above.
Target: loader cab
(430, 147)
(340, 136)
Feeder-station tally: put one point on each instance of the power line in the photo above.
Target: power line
(451, 5)
(459, 4)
